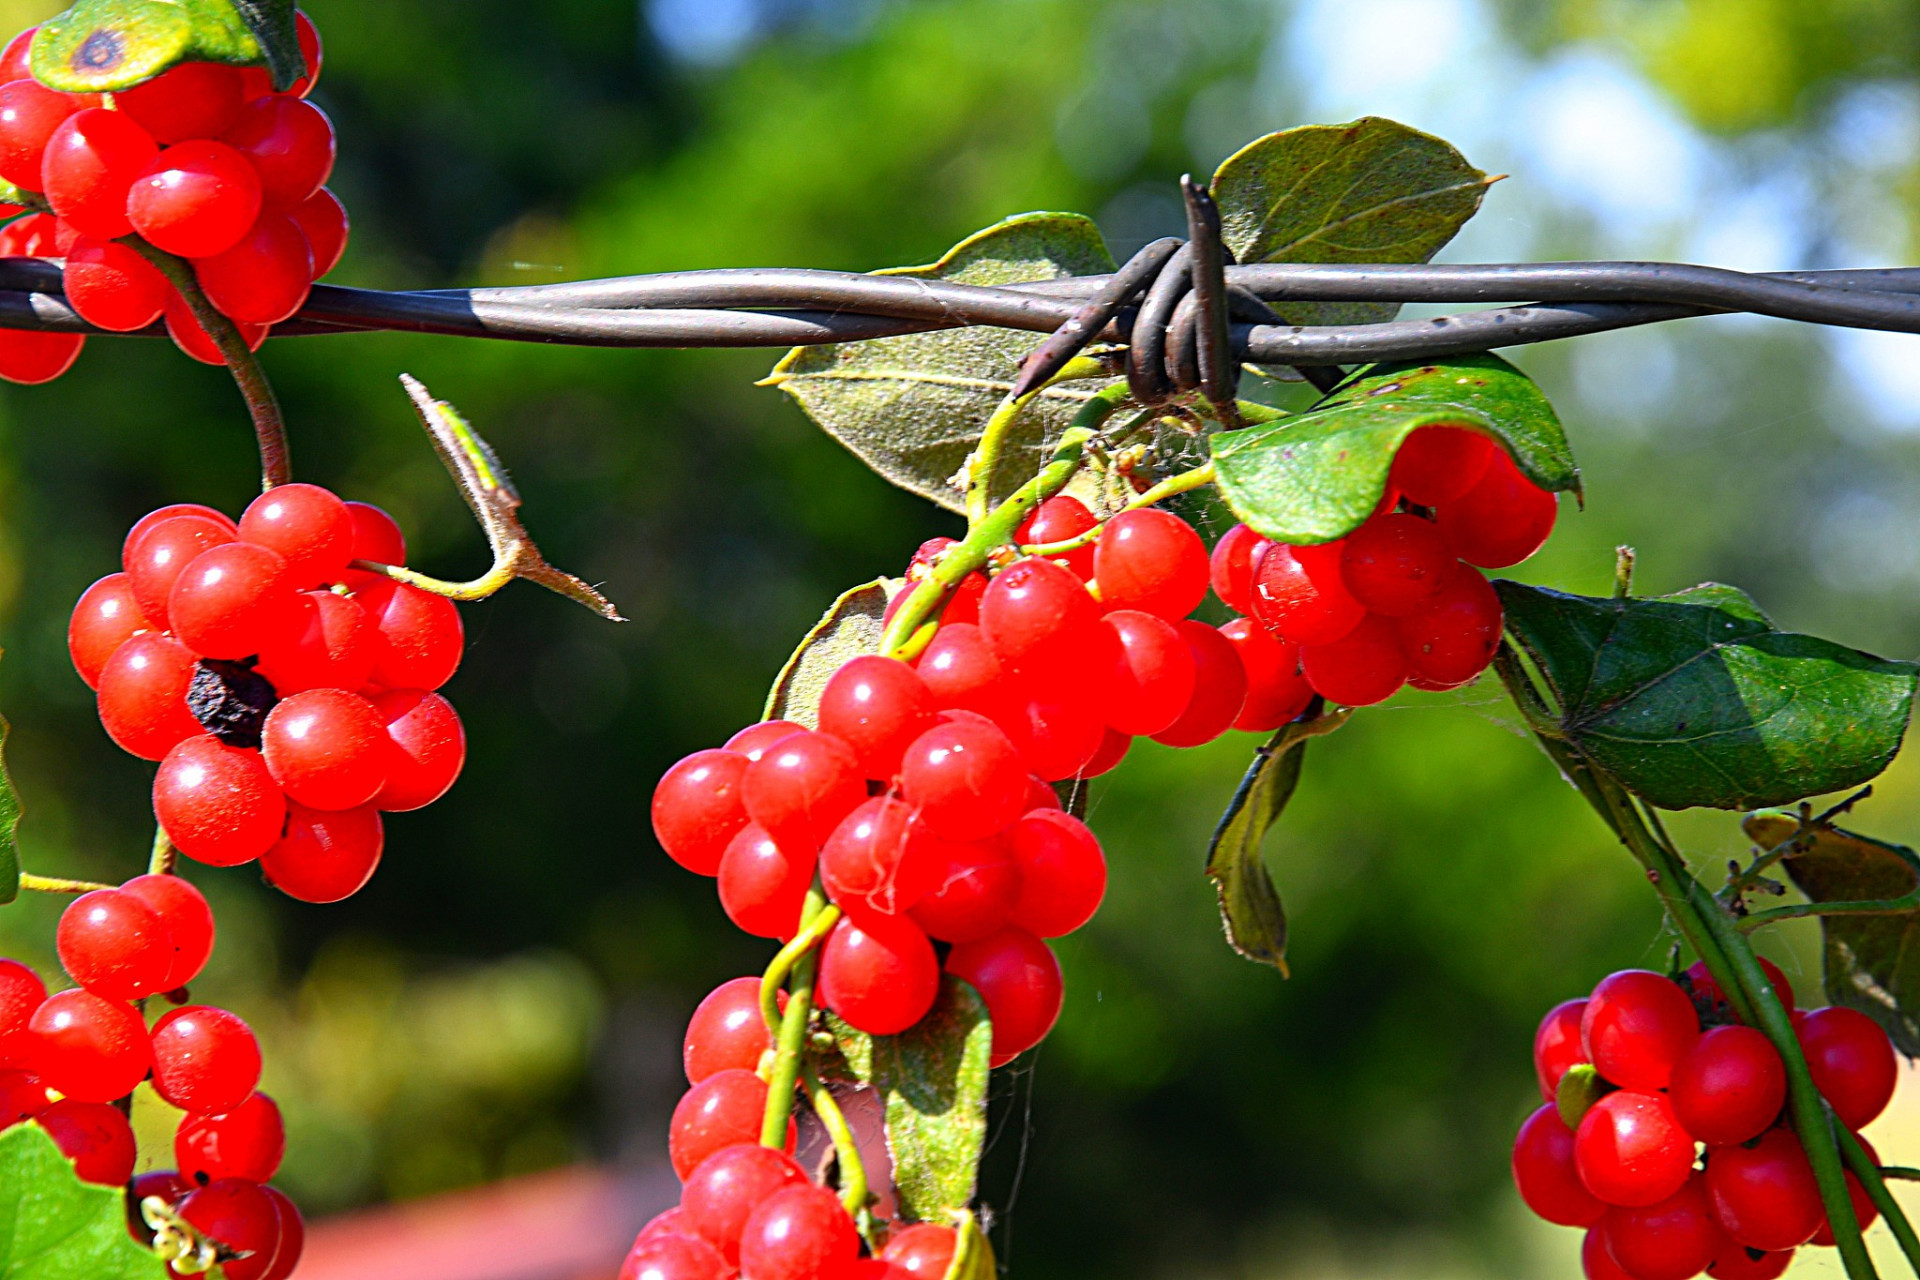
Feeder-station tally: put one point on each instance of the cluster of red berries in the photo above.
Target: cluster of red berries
(1398, 600)
(288, 697)
(206, 162)
(747, 1210)
(68, 1058)
(1676, 1081)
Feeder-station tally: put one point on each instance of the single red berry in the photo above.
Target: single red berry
(1039, 619)
(802, 787)
(1361, 668)
(21, 992)
(233, 601)
(155, 516)
(241, 1216)
(1636, 1026)
(924, 1250)
(193, 100)
(29, 114)
(798, 1233)
(1277, 689)
(1056, 733)
(1729, 1086)
(95, 1136)
(1595, 1262)
(291, 1239)
(1057, 519)
(1219, 688)
(332, 644)
(1734, 1261)
(1395, 563)
(966, 779)
(1630, 1149)
(671, 1256)
(264, 278)
(35, 236)
(1557, 1047)
(247, 1141)
(308, 526)
(428, 748)
(1707, 994)
(961, 671)
(205, 1060)
(877, 706)
(22, 1097)
(188, 335)
(112, 286)
(1152, 683)
(143, 695)
(105, 617)
(1865, 1211)
(974, 886)
(763, 884)
(423, 631)
(1501, 520)
(1439, 464)
(1764, 1194)
(218, 804)
(720, 1111)
(754, 740)
(155, 556)
(31, 358)
(189, 923)
(1852, 1062)
(1300, 594)
(697, 809)
(327, 748)
(1672, 1240)
(90, 164)
(89, 1047)
(1063, 873)
(115, 945)
(873, 863)
(324, 220)
(1018, 977)
(1452, 637)
(1233, 564)
(1113, 749)
(1544, 1174)
(878, 973)
(727, 1030)
(14, 59)
(1152, 560)
(290, 144)
(257, 82)
(195, 199)
(325, 856)
(728, 1186)
(376, 535)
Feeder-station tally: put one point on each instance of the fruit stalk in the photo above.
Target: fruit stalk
(986, 455)
(797, 962)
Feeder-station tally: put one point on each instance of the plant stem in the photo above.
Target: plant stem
(1872, 1178)
(54, 884)
(776, 974)
(164, 856)
(993, 438)
(792, 1040)
(1801, 910)
(1186, 482)
(1765, 860)
(846, 1151)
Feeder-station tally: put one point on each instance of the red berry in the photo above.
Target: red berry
(115, 945)
(1039, 619)
(799, 1233)
(31, 358)
(961, 671)
(245, 1142)
(291, 1240)
(192, 339)
(112, 286)
(1557, 1047)
(308, 526)
(325, 856)
(1501, 520)
(1865, 1211)
(1452, 637)
(728, 1186)
(974, 886)
(1735, 1261)
(233, 601)
(21, 992)
(1636, 1026)
(195, 199)
(264, 278)
(95, 1136)
(376, 535)
(1395, 563)
(205, 1060)
(727, 1030)
(1056, 520)
(90, 164)
(155, 555)
(327, 748)
(143, 695)
(427, 748)
(29, 114)
(1707, 992)
(332, 644)
(965, 778)
(15, 57)
(324, 220)
(257, 82)
(106, 616)
(1018, 977)
(423, 632)
(1672, 1240)
(155, 516)
(1056, 733)
(1544, 1173)
(1361, 668)
(1852, 1062)
(1231, 567)
(1595, 1262)
(35, 236)
(1152, 682)
(1277, 690)
(89, 1047)
(763, 884)
(188, 919)
(924, 1250)
(1113, 749)
(193, 100)
(22, 1097)
(754, 740)
(876, 706)
(1219, 688)
(697, 809)
(1729, 1086)
(671, 1256)
(802, 787)
(1300, 594)
(1764, 1194)
(1152, 560)
(1631, 1150)
(1063, 874)
(241, 1216)
(878, 973)
(218, 804)
(1438, 464)
(872, 861)
(290, 144)
(724, 1109)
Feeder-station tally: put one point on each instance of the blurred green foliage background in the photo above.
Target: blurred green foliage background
(508, 993)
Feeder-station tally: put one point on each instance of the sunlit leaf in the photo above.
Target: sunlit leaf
(850, 628)
(99, 46)
(54, 1226)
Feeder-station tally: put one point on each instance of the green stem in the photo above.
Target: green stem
(161, 861)
(54, 884)
(993, 438)
(1764, 861)
(505, 569)
(1801, 910)
(791, 1039)
(846, 1151)
(1900, 1171)
(1873, 1178)
(1172, 486)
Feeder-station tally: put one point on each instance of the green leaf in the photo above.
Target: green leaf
(1318, 475)
(1694, 699)
(850, 628)
(99, 46)
(1370, 191)
(972, 1251)
(913, 407)
(9, 825)
(933, 1081)
(1872, 962)
(54, 1226)
(1250, 907)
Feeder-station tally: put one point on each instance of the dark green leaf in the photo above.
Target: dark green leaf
(850, 628)
(1694, 699)
(9, 825)
(1318, 475)
(913, 407)
(1250, 908)
(99, 46)
(1370, 191)
(972, 1251)
(933, 1081)
(1872, 962)
(54, 1226)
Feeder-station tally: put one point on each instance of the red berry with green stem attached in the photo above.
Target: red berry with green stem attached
(924, 1250)
(90, 164)
(877, 706)
(205, 1060)
(427, 749)
(143, 695)
(878, 973)
(1636, 1026)
(1395, 563)
(327, 748)
(801, 788)
(290, 143)
(310, 528)
(325, 856)
(233, 601)
(672, 1256)
(1630, 1149)
(95, 1136)
(195, 199)
(697, 809)
(1501, 520)
(1300, 594)
(1233, 564)
(872, 862)
(241, 1216)
(1151, 560)
(799, 1233)
(1734, 1261)
(756, 740)
(154, 556)
(246, 1141)
(1439, 464)
(1852, 1062)
(423, 633)
(324, 221)
(106, 616)
(763, 884)
(1671, 1240)
(1056, 733)
(192, 100)
(1729, 1086)
(727, 1030)
(1063, 873)
(1219, 688)
(1039, 618)
(1018, 978)
(112, 286)
(728, 1186)
(21, 992)
(1152, 682)
(89, 1047)
(1557, 1047)
(720, 1111)
(1452, 637)
(1365, 666)
(965, 778)
(115, 945)
(30, 358)
(218, 804)
(962, 671)
(975, 884)
(332, 644)
(1277, 689)
(29, 114)
(1544, 1174)
(1765, 1194)
(264, 278)
(1056, 520)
